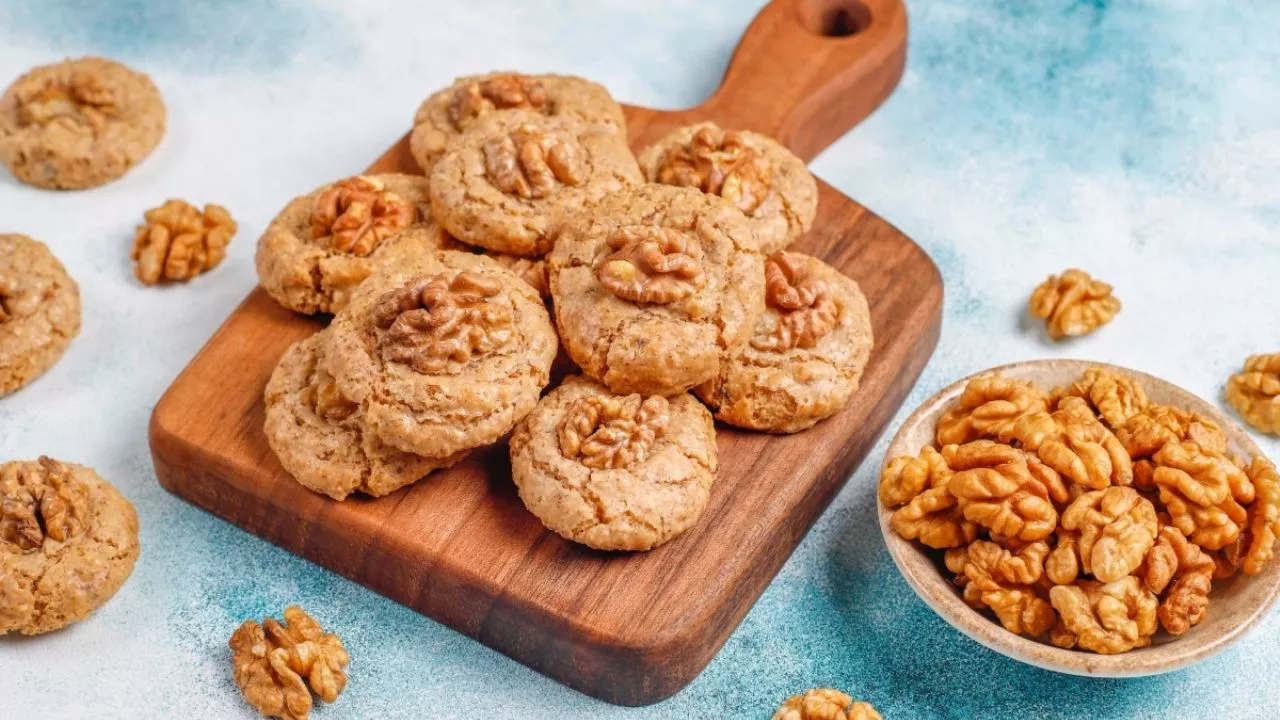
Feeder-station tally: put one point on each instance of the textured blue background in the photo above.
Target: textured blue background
(1138, 140)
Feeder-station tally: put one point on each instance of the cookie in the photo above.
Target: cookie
(444, 352)
(319, 435)
(79, 123)
(508, 182)
(447, 113)
(68, 541)
(763, 179)
(39, 311)
(655, 287)
(615, 472)
(807, 353)
(324, 244)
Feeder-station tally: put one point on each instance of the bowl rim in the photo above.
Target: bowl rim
(938, 593)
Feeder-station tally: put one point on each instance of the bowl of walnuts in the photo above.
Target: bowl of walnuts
(1083, 518)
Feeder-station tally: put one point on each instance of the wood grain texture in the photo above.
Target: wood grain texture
(458, 546)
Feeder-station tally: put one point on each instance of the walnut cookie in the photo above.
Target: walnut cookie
(756, 173)
(806, 355)
(448, 112)
(445, 352)
(324, 244)
(39, 311)
(79, 123)
(614, 472)
(656, 288)
(68, 541)
(509, 181)
(319, 435)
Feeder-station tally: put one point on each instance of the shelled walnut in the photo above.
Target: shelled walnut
(499, 92)
(651, 265)
(1255, 393)
(1106, 618)
(1073, 304)
(82, 103)
(825, 704)
(989, 407)
(359, 213)
(275, 664)
(178, 241)
(610, 432)
(40, 500)
(530, 162)
(719, 162)
(807, 310)
(443, 319)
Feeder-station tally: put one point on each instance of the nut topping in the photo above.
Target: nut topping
(719, 162)
(651, 264)
(83, 103)
(807, 309)
(359, 213)
(530, 163)
(40, 500)
(612, 432)
(444, 318)
(500, 92)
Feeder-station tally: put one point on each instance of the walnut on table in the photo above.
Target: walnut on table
(278, 667)
(358, 214)
(719, 162)
(651, 265)
(806, 307)
(825, 704)
(436, 320)
(179, 241)
(610, 432)
(1073, 304)
(1255, 393)
(531, 163)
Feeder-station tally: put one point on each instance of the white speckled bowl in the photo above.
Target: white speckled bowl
(1235, 605)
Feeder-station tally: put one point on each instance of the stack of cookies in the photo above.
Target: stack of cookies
(661, 286)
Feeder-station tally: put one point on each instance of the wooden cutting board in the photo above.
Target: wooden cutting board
(459, 547)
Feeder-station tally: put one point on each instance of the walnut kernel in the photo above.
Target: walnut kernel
(1073, 304)
(1263, 526)
(650, 264)
(178, 241)
(40, 501)
(934, 518)
(1077, 445)
(825, 704)
(275, 664)
(1005, 582)
(719, 162)
(988, 408)
(500, 92)
(359, 213)
(1189, 580)
(906, 477)
(1106, 618)
(83, 103)
(1005, 490)
(1116, 528)
(1255, 393)
(610, 432)
(1116, 397)
(435, 320)
(531, 163)
(806, 308)
(1151, 429)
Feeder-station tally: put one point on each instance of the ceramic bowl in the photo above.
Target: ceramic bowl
(1235, 605)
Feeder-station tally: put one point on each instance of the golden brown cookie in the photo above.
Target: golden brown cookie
(508, 182)
(445, 352)
(614, 472)
(447, 113)
(807, 353)
(319, 435)
(39, 311)
(79, 123)
(763, 179)
(324, 244)
(68, 541)
(655, 287)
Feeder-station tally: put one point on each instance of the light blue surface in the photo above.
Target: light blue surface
(1138, 140)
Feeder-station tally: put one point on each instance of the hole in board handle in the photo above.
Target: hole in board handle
(835, 18)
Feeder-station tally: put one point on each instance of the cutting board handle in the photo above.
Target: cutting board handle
(807, 71)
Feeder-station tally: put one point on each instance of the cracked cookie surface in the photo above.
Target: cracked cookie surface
(39, 311)
(68, 541)
(806, 355)
(445, 114)
(79, 123)
(319, 435)
(614, 472)
(763, 179)
(508, 182)
(444, 352)
(324, 244)
(656, 287)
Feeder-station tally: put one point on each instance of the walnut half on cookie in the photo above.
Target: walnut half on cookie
(614, 472)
